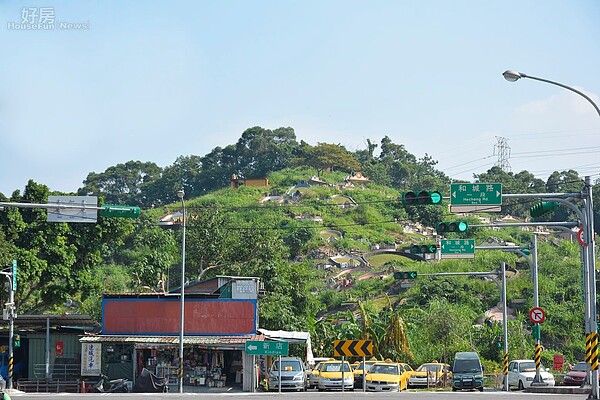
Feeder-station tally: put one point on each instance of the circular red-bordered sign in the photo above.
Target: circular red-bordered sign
(580, 238)
(537, 315)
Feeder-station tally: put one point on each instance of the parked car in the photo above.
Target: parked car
(313, 376)
(386, 377)
(293, 374)
(522, 372)
(430, 374)
(467, 371)
(360, 371)
(409, 371)
(576, 375)
(334, 374)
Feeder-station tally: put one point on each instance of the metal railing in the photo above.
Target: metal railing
(57, 371)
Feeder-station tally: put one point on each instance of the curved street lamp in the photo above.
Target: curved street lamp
(513, 76)
(587, 250)
(180, 194)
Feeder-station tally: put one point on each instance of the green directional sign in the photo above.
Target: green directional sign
(261, 348)
(476, 196)
(458, 248)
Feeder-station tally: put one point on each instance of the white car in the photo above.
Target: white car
(522, 372)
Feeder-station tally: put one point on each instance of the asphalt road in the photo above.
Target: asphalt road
(417, 395)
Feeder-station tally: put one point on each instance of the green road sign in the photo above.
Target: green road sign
(458, 248)
(260, 348)
(14, 275)
(476, 195)
(536, 332)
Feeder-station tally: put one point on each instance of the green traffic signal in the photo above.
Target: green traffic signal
(17, 340)
(119, 211)
(456, 226)
(399, 275)
(422, 249)
(421, 197)
(542, 208)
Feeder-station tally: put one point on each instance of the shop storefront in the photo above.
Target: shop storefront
(208, 361)
(142, 331)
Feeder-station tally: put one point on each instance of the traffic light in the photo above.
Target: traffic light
(421, 197)
(17, 340)
(456, 226)
(119, 211)
(543, 207)
(422, 249)
(405, 275)
(500, 340)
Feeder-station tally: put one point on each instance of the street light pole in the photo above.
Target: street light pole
(588, 250)
(180, 194)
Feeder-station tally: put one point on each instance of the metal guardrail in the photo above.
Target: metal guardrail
(57, 371)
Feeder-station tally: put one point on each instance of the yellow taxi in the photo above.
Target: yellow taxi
(335, 375)
(387, 377)
(360, 370)
(313, 376)
(430, 374)
(409, 370)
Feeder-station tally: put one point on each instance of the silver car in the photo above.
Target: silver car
(293, 374)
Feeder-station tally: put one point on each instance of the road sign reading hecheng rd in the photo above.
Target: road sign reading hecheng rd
(458, 248)
(260, 348)
(475, 197)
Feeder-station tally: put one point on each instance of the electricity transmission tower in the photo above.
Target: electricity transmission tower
(503, 151)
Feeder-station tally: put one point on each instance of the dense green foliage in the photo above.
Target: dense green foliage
(287, 235)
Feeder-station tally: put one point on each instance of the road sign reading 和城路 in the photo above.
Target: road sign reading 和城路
(261, 348)
(465, 197)
(353, 348)
(457, 248)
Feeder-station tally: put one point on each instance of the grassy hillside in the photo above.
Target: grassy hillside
(441, 315)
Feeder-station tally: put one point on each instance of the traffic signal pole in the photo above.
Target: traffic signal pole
(589, 244)
(11, 323)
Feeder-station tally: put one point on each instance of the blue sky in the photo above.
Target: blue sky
(152, 80)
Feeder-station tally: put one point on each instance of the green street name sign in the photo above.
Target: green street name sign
(475, 197)
(458, 248)
(260, 348)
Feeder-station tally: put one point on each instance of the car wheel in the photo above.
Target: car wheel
(454, 389)
(320, 390)
(521, 387)
(481, 389)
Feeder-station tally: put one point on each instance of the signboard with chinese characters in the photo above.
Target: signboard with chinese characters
(91, 359)
(468, 197)
(457, 248)
(260, 348)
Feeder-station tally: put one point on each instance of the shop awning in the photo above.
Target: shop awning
(291, 337)
(215, 342)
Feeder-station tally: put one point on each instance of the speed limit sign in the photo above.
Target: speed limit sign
(537, 315)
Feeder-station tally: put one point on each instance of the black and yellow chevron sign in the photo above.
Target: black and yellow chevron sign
(353, 348)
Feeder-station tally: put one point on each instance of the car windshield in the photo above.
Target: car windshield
(467, 365)
(335, 367)
(430, 368)
(407, 367)
(529, 366)
(384, 369)
(360, 367)
(581, 366)
(287, 365)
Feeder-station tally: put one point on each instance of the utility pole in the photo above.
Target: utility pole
(10, 308)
